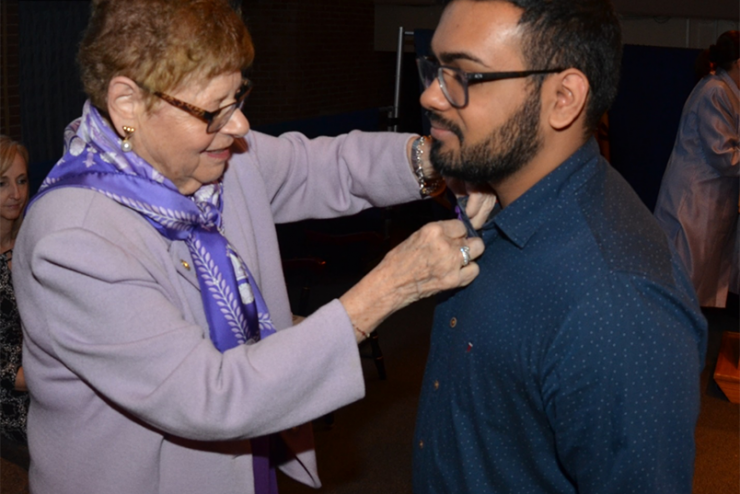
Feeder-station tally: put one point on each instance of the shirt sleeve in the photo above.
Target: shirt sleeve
(621, 389)
(718, 130)
(331, 176)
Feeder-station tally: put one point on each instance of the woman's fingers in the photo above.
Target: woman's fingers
(448, 228)
(481, 201)
(434, 259)
(428, 262)
(470, 272)
(476, 247)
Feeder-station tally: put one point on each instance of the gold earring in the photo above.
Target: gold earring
(126, 145)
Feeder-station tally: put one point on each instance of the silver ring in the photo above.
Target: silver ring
(465, 250)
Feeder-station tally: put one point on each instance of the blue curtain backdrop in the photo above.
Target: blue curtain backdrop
(644, 118)
(51, 91)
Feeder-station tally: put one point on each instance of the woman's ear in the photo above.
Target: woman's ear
(124, 103)
(571, 90)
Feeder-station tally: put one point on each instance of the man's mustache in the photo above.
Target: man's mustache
(444, 124)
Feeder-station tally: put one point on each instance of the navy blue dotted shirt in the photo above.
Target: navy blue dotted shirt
(571, 364)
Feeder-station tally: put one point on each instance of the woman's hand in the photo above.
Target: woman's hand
(481, 198)
(428, 262)
(480, 203)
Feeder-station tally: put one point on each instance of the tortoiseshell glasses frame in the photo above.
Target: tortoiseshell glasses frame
(215, 119)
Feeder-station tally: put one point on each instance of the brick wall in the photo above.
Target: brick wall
(10, 119)
(315, 58)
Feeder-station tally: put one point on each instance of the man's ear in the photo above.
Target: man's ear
(571, 89)
(124, 103)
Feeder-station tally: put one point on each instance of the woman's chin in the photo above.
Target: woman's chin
(10, 214)
(190, 186)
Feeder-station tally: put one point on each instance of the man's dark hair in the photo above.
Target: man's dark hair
(583, 34)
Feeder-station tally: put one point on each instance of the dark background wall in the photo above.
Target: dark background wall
(315, 58)
(50, 90)
(713, 9)
(10, 100)
(316, 69)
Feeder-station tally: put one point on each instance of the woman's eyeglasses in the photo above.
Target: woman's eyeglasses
(454, 82)
(215, 119)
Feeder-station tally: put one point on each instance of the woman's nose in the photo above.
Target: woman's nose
(15, 191)
(237, 126)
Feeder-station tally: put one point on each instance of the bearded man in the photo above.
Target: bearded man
(571, 364)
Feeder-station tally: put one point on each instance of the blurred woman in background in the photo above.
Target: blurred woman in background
(698, 201)
(13, 391)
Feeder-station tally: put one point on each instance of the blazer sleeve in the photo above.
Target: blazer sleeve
(718, 121)
(115, 319)
(330, 176)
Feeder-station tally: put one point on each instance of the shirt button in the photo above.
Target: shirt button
(185, 264)
(421, 444)
(436, 385)
(453, 322)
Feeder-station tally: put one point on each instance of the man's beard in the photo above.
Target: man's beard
(506, 150)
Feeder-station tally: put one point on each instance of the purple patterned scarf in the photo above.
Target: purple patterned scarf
(234, 307)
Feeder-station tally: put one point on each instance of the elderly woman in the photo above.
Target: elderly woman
(160, 351)
(698, 201)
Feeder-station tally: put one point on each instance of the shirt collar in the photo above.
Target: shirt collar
(521, 219)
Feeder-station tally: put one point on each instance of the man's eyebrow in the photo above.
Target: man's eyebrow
(450, 57)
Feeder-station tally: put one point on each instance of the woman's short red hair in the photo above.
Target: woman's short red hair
(161, 44)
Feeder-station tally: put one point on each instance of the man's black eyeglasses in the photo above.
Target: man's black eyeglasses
(454, 82)
(215, 119)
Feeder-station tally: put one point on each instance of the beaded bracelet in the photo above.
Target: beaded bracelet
(428, 187)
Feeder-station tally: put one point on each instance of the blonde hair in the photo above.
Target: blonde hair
(160, 44)
(9, 149)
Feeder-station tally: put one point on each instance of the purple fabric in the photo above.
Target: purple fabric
(235, 309)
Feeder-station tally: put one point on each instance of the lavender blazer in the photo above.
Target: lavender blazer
(128, 395)
(697, 205)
